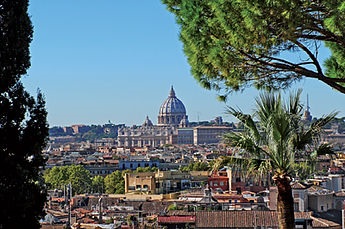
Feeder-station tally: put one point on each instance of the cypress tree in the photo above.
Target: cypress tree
(23, 124)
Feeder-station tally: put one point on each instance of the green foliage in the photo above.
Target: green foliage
(275, 142)
(80, 178)
(172, 207)
(109, 221)
(23, 125)
(145, 169)
(232, 44)
(304, 170)
(98, 184)
(280, 135)
(57, 177)
(132, 220)
(220, 162)
(196, 166)
(88, 133)
(15, 42)
(56, 131)
(77, 175)
(99, 131)
(115, 183)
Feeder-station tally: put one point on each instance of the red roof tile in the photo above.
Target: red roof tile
(176, 219)
(236, 219)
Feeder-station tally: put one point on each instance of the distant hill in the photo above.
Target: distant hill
(86, 132)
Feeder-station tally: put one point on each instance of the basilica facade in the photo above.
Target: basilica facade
(172, 128)
(172, 115)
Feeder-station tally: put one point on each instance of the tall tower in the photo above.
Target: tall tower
(307, 116)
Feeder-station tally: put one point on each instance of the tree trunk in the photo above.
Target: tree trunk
(285, 207)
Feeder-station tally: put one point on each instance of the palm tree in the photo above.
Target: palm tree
(274, 136)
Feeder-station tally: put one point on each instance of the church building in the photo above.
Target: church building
(172, 115)
(172, 112)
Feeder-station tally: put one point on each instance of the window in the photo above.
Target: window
(238, 190)
(296, 206)
(131, 188)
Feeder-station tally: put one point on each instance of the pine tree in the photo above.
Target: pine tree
(23, 124)
(233, 44)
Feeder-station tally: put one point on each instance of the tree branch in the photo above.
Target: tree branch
(311, 55)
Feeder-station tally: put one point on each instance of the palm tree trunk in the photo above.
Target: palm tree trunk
(285, 208)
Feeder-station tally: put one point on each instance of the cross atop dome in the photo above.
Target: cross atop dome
(172, 92)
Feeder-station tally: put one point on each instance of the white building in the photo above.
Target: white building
(300, 197)
(320, 200)
(209, 134)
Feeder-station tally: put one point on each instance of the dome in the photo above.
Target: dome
(172, 111)
(147, 122)
(172, 105)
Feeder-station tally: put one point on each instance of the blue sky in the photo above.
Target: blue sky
(97, 61)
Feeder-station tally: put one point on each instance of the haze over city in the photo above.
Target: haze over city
(116, 61)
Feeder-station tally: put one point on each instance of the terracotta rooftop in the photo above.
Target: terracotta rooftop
(176, 219)
(236, 219)
(241, 219)
(298, 185)
(323, 223)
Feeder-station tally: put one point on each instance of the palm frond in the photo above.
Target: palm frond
(250, 167)
(247, 120)
(317, 126)
(325, 149)
(295, 107)
(243, 141)
(307, 136)
(278, 136)
(266, 104)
